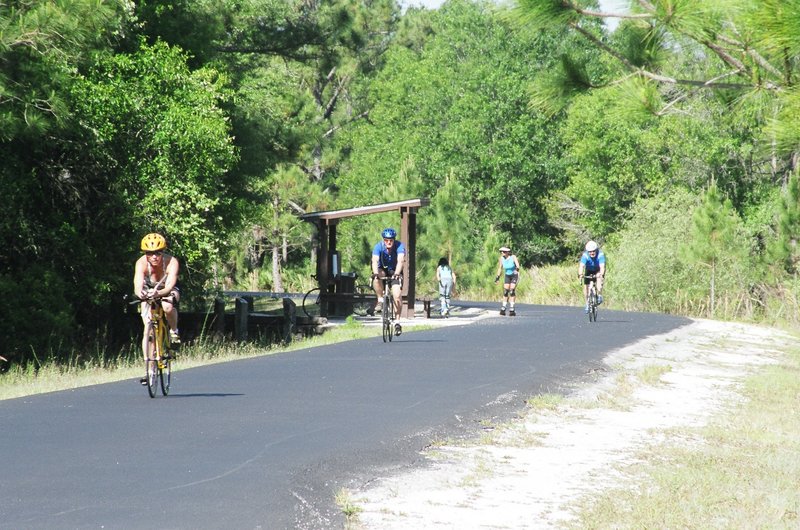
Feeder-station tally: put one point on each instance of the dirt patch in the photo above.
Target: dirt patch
(529, 473)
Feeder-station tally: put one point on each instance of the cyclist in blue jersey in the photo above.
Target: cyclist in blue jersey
(508, 264)
(388, 256)
(593, 262)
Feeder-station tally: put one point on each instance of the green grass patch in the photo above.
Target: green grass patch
(741, 471)
(652, 373)
(344, 500)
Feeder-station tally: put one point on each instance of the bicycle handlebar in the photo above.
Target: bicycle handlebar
(138, 299)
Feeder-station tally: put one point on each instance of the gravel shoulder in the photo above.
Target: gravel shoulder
(531, 473)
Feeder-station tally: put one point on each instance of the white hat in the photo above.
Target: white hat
(505, 249)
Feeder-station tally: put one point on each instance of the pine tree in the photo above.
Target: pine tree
(712, 239)
(784, 251)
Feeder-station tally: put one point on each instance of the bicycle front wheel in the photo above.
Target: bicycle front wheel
(386, 318)
(311, 303)
(165, 364)
(166, 376)
(151, 365)
(593, 306)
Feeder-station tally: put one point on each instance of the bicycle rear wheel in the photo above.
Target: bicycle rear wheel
(311, 303)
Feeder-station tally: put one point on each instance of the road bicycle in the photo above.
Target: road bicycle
(361, 302)
(158, 366)
(592, 300)
(389, 327)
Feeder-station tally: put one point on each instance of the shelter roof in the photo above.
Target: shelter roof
(365, 210)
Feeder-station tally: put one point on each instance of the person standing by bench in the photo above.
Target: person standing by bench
(447, 282)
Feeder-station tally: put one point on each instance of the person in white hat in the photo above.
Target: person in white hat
(508, 264)
(592, 268)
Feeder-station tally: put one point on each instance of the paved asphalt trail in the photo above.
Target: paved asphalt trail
(267, 442)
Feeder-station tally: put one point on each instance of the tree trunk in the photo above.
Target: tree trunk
(277, 283)
(713, 277)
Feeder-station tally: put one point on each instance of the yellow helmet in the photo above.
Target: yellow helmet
(153, 242)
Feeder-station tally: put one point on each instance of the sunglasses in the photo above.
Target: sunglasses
(157, 253)
(387, 240)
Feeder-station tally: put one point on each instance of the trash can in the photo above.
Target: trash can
(345, 284)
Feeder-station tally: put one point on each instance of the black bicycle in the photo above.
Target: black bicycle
(362, 302)
(593, 300)
(389, 327)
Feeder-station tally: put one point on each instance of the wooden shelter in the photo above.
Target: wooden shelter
(328, 265)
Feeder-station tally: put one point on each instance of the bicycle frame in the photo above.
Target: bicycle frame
(592, 298)
(388, 309)
(158, 362)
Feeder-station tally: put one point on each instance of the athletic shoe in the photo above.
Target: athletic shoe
(512, 313)
(599, 299)
(503, 311)
(398, 329)
(586, 309)
(143, 381)
(174, 338)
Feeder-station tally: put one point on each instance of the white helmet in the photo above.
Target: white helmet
(591, 246)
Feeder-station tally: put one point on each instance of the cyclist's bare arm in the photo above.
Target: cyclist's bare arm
(138, 277)
(173, 268)
(400, 260)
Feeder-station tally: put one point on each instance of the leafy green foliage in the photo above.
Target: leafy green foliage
(783, 251)
(459, 106)
(648, 271)
(143, 147)
(715, 243)
(41, 45)
(163, 128)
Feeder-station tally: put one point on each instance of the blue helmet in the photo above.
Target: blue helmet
(389, 233)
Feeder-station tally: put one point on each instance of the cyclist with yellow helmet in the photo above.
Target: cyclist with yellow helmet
(156, 275)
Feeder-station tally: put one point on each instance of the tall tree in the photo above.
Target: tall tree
(743, 51)
(460, 104)
(784, 250)
(713, 240)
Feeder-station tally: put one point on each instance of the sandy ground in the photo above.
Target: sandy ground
(531, 473)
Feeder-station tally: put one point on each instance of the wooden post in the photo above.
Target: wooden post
(408, 225)
(323, 265)
(289, 319)
(240, 327)
(219, 317)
